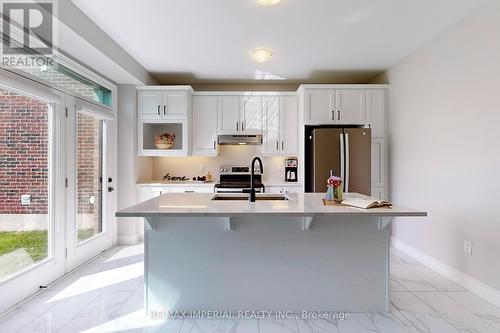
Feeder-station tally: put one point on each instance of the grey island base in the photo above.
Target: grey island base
(271, 255)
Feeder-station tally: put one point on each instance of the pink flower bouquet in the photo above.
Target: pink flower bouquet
(335, 189)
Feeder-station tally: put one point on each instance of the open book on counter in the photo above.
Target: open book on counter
(364, 201)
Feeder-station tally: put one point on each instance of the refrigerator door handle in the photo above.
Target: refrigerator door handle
(347, 162)
(342, 157)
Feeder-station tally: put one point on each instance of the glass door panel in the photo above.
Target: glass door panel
(31, 186)
(24, 182)
(89, 176)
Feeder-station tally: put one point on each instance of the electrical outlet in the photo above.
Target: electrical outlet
(468, 247)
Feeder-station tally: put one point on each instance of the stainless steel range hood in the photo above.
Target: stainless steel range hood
(240, 139)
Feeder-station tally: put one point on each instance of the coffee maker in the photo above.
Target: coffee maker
(291, 169)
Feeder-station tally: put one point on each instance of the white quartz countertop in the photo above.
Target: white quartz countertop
(299, 204)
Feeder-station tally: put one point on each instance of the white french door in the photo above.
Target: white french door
(91, 196)
(32, 173)
(57, 204)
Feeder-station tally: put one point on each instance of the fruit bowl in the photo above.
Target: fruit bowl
(164, 141)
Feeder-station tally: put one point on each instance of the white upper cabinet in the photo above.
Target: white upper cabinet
(205, 125)
(272, 121)
(175, 104)
(159, 103)
(320, 106)
(335, 106)
(149, 104)
(350, 106)
(375, 112)
(229, 114)
(251, 115)
(240, 115)
(280, 126)
(289, 127)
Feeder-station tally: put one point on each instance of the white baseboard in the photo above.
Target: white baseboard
(468, 282)
(128, 240)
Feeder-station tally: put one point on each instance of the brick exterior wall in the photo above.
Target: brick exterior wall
(89, 163)
(23, 153)
(24, 156)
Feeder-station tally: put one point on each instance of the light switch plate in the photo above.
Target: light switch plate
(468, 247)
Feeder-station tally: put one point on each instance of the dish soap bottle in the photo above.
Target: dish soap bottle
(209, 177)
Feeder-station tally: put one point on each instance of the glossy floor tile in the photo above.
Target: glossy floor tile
(106, 295)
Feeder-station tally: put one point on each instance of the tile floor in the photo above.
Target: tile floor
(106, 296)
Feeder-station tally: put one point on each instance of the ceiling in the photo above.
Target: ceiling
(349, 41)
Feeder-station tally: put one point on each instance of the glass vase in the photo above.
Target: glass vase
(329, 193)
(338, 194)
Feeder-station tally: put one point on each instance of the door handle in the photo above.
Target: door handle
(111, 188)
(347, 166)
(164, 110)
(158, 110)
(342, 169)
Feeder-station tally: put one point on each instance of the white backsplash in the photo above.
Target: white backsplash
(228, 155)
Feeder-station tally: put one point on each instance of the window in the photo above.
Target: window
(66, 78)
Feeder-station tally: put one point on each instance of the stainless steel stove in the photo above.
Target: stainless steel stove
(236, 179)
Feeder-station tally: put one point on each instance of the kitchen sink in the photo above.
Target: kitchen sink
(258, 197)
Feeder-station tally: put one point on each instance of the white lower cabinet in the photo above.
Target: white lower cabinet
(283, 189)
(146, 192)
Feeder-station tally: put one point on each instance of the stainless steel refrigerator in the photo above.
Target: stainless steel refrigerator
(344, 151)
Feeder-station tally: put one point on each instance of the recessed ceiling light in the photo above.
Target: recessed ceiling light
(268, 2)
(261, 54)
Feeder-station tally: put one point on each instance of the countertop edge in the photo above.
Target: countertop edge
(278, 214)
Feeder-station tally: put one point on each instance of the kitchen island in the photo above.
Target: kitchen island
(280, 253)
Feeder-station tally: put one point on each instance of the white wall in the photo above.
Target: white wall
(444, 144)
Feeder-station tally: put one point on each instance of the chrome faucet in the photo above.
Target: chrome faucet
(252, 185)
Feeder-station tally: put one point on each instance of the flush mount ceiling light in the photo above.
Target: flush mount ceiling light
(261, 54)
(268, 2)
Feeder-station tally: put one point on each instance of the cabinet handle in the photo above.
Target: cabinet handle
(189, 191)
(282, 145)
(338, 116)
(214, 144)
(277, 145)
(158, 110)
(164, 110)
(237, 126)
(242, 126)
